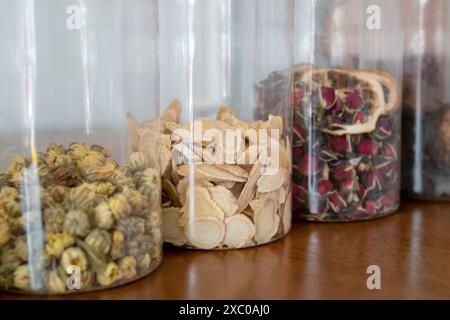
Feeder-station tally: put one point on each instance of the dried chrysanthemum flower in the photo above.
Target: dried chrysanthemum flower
(131, 225)
(106, 152)
(63, 160)
(58, 193)
(138, 161)
(99, 173)
(12, 208)
(105, 188)
(139, 244)
(149, 181)
(127, 266)
(81, 197)
(5, 233)
(45, 175)
(74, 256)
(22, 278)
(143, 261)
(154, 220)
(78, 150)
(57, 243)
(103, 216)
(56, 281)
(53, 151)
(4, 180)
(119, 206)
(117, 245)
(18, 163)
(54, 219)
(91, 160)
(77, 223)
(99, 240)
(10, 260)
(21, 247)
(109, 275)
(135, 199)
(9, 193)
(156, 235)
(122, 177)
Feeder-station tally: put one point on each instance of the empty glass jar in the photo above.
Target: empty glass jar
(225, 152)
(426, 93)
(79, 187)
(346, 136)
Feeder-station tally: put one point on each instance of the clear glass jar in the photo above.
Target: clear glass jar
(426, 96)
(226, 144)
(346, 136)
(79, 204)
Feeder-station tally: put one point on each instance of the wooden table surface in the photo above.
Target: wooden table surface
(315, 261)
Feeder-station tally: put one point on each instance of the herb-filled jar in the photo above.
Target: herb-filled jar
(426, 97)
(79, 198)
(225, 150)
(346, 136)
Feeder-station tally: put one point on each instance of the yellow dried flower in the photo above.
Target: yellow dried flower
(109, 275)
(21, 247)
(103, 216)
(9, 193)
(22, 278)
(117, 245)
(99, 240)
(105, 188)
(138, 161)
(63, 160)
(77, 223)
(135, 198)
(119, 206)
(74, 256)
(99, 173)
(128, 266)
(57, 243)
(149, 181)
(122, 178)
(10, 260)
(81, 197)
(54, 219)
(143, 261)
(106, 152)
(78, 150)
(56, 281)
(18, 163)
(5, 233)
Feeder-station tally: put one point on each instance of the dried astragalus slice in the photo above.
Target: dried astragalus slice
(271, 182)
(213, 173)
(172, 231)
(239, 231)
(200, 204)
(249, 190)
(266, 219)
(205, 232)
(224, 199)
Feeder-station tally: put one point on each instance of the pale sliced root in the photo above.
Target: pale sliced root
(239, 229)
(269, 183)
(172, 231)
(185, 183)
(224, 199)
(205, 232)
(266, 219)
(250, 187)
(226, 115)
(229, 184)
(199, 204)
(171, 192)
(210, 172)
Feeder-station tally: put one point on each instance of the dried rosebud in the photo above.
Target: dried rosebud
(367, 147)
(310, 165)
(324, 188)
(354, 100)
(328, 96)
(390, 152)
(340, 144)
(359, 118)
(344, 171)
(371, 207)
(336, 202)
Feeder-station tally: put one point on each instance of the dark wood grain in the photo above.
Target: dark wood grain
(316, 261)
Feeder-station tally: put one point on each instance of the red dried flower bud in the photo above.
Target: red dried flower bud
(328, 95)
(340, 144)
(367, 147)
(336, 202)
(354, 100)
(324, 188)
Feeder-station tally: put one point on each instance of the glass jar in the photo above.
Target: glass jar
(346, 136)
(226, 161)
(426, 93)
(79, 204)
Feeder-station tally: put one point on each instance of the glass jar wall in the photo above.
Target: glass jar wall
(226, 163)
(79, 197)
(426, 93)
(346, 136)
